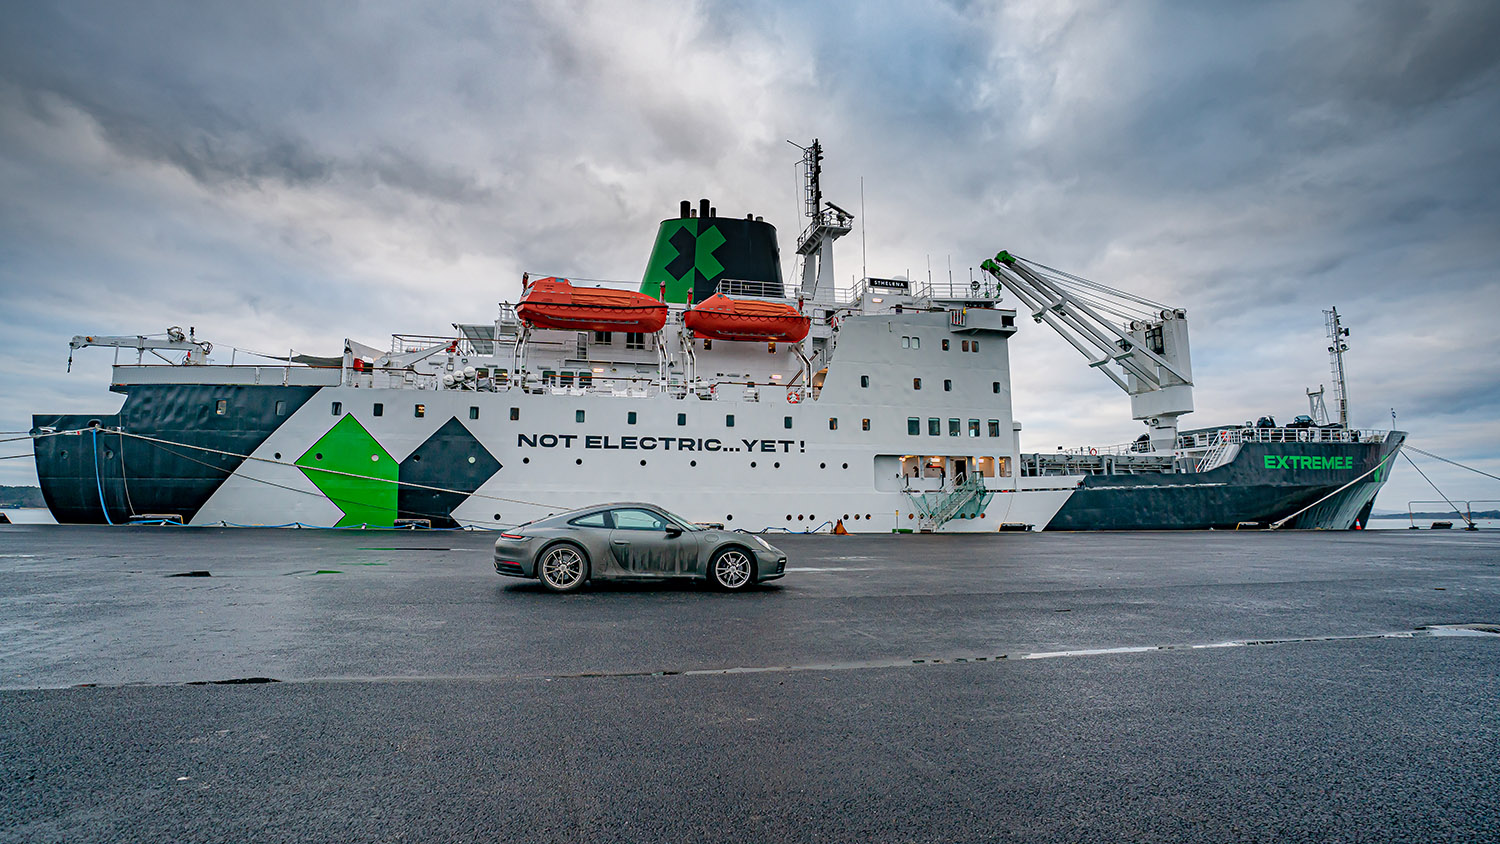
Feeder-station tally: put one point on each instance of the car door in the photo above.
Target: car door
(642, 543)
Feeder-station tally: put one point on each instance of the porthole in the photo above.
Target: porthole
(471, 458)
(867, 517)
(822, 465)
(374, 458)
(525, 459)
(109, 455)
(846, 465)
(497, 517)
(789, 517)
(278, 455)
(846, 517)
(752, 464)
(416, 458)
(692, 463)
(64, 453)
(643, 462)
(317, 456)
(856, 517)
(775, 465)
(981, 515)
(799, 517)
(812, 517)
(729, 518)
(578, 462)
(908, 515)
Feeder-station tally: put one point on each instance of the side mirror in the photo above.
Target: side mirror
(673, 531)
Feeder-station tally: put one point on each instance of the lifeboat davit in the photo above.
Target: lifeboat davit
(721, 318)
(555, 303)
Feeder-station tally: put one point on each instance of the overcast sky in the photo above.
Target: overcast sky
(288, 175)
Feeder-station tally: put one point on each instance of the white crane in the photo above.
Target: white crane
(1140, 344)
(174, 340)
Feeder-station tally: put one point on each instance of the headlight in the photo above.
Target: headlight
(764, 544)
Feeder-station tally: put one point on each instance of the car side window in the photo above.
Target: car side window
(593, 520)
(638, 520)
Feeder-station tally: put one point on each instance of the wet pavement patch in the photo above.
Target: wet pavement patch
(236, 681)
(199, 573)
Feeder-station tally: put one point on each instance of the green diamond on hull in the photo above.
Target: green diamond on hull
(357, 474)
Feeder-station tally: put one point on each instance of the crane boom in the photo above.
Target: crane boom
(1140, 345)
(174, 341)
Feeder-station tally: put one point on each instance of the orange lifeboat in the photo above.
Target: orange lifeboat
(721, 318)
(555, 303)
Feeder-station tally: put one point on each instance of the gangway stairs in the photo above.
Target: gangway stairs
(967, 498)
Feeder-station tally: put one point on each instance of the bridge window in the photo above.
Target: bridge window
(934, 427)
(974, 346)
(604, 338)
(966, 345)
(994, 427)
(973, 427)
(952, 427)
(378, 409)
(913, 426)
(635, 340)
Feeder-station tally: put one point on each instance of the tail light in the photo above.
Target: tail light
(512, 536)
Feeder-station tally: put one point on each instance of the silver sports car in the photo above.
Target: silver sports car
(630, 541)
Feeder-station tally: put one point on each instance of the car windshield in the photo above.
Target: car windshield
(686, 525)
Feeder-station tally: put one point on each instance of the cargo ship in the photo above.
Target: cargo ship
(713, 387)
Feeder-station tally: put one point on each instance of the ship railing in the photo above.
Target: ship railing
(973, 291)
(1213, 438)
(745, 288)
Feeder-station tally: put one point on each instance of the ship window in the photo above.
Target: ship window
(515, 413)
(630, 418)
(833, 423)
(994, 427)
(947, 385)
(966, 345)
(338, 408)
(635, 340)
(729, 420)
(473, 412)
(864, 424)
(913, 426)
(934, 427)
(221, 407)
(994, 386)
(952, 427)
(682, 419)
(916, 342)
(421, 410)
(771, 347)
(707, 344)
(377, 409)
(786, 422)
(585, 379)
(864, 381)
(906, 342)
(974, 346)
(604, 338)
(281, 408)
(916, 383)
(945, 346)
(504, 376)
(549, 376)
(973, 427)
(577, 416)
(566, 380)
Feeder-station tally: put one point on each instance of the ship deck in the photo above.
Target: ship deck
(1206, 686)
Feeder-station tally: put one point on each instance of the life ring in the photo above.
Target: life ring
(1093, 451)
(793, 396)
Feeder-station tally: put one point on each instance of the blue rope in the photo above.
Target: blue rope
(98, 483)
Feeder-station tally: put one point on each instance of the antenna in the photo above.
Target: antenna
(1336, 349)
(864, 266)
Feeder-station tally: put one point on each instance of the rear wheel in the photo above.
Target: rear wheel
(731, 570)
(563, 568)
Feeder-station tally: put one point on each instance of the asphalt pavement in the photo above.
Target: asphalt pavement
(379, 686)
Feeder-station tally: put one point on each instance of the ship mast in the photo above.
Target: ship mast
(828, 223)
(1336, 349)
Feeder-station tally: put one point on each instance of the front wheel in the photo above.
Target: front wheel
(562, 569)
(731, 570)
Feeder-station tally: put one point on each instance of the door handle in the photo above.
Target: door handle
(620, 542)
